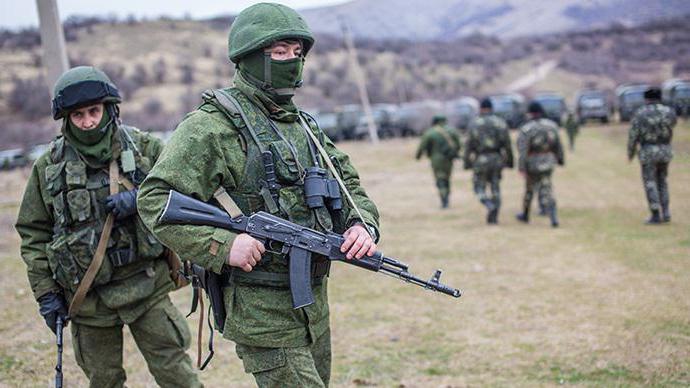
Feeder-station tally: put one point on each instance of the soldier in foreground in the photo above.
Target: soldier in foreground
(249, 147)
(442, 145)
(488, 150)
(85, 247)
(539, 148)
(572, 128)
(652, 130)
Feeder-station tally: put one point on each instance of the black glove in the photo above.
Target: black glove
(52, 306)
(123, 204)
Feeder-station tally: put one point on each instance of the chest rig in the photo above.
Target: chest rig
(77, 194)
(284, 173)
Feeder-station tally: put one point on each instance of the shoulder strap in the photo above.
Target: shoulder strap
(98, 257)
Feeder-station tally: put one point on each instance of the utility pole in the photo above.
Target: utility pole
(360, 80)
(52, 40)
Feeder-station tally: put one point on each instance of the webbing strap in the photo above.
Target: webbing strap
(331, 167)
(227, 202)
(98, 257)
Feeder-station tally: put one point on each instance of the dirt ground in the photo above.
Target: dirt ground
(601, 301)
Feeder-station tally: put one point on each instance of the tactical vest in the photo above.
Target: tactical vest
(488, 136)
(77, 194)
(655, 126)
(292, 155)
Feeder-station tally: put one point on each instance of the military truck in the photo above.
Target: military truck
(328, 122)
(413, 118)
(12, 158)
(512, 107)
(676, 94)
(629, 97)
(384, 115)
(347, 119)
(592, 104)
(553, 104)
(462, 111)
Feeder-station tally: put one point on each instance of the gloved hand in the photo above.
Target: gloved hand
(52, 306)
(123, 204)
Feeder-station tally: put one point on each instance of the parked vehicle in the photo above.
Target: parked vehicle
(12, 158)
(553, 104)
(462, 111)
(629, 98)
(593, 104)
(676, 94)
(512, 107)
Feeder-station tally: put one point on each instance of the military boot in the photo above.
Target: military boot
(666, 215)
(553, 214)
(492, 217)
(444, 202)
(654, 219)
(524, 216)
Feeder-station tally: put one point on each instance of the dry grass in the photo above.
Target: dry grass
(602, 301)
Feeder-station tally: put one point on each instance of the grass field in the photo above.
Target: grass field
(602, 301)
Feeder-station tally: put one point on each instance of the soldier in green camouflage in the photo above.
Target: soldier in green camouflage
(539, 149)
(442, 145)
(652, 131)
(62, 214)
(572, 128)
(488, 150)
(252, 142)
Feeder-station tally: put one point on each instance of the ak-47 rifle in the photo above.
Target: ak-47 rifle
(59, 325)
(298, 242)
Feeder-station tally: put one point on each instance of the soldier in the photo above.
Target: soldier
(442, 145)
(652, 128)
(572, 128)
(539, 148)
(250, 145)
(488, 151)
(76, 222)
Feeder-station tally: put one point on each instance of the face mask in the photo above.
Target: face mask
(280, 79)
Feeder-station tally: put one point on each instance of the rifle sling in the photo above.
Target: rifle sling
(90, 275)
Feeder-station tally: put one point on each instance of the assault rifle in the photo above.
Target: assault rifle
(298, 242)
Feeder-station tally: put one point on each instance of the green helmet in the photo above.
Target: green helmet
(265, 23)
(81, 86)
(438, 119)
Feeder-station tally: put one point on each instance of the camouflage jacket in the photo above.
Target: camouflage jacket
(439, 142)
(60, 221)
(652, 131)
(539, 146)
(488, 139)
(212, 148)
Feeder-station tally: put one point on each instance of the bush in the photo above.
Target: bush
(30, 98)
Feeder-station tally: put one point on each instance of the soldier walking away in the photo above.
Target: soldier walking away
(539, 149)
(252, 148)
(442, 145)
(85, 246)
(652, 131)
(572, 128)
(488, 150)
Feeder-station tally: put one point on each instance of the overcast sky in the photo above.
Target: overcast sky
(22, 13)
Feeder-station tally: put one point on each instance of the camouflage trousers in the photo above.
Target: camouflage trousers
(571, 139)
(541, 182)
(442, 172)
(655, 185)
(304, 366)
(162, 336)
(488, 177)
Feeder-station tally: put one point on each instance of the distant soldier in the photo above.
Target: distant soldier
(442, 145)
(539, 148)
(487, 151)
(652, 128)
(572, 128)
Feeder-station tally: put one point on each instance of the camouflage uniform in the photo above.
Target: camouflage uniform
(488, 151)
(442, 145)
(652, 130)
(219, 145)
(60, 220)
(572, 128)
(539, 149)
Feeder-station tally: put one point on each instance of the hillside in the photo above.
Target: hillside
(451, 19)
(163, 75)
